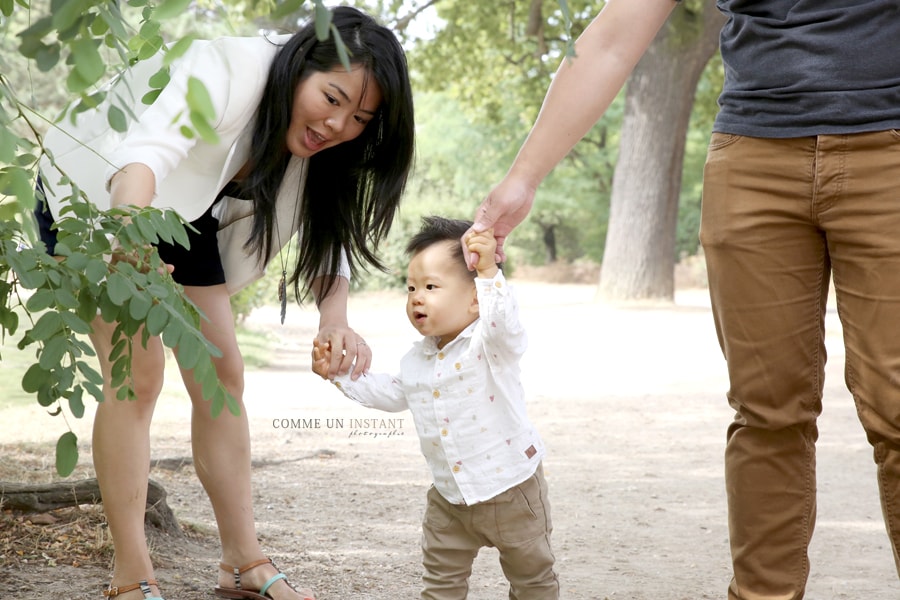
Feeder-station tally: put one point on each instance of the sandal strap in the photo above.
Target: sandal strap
(143, 585)
(268, 584)
(238, 571)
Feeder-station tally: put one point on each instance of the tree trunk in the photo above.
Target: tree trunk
(61, 494)
(639, 258)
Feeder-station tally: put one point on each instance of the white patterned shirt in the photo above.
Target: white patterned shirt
(466, 400)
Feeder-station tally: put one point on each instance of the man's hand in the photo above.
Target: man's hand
(505, 207)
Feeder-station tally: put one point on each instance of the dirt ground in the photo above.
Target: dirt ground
(630, 403)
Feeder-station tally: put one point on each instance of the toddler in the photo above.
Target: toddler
(462, 385)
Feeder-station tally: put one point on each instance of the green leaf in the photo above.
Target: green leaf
(118, 289)
(168, 9)
(34, 378)
(172, 334)
(286, 8)
(157, 219)
(188, 351)
(89, 373)
(40, 300)
(88, 62)
(109, 310)
(176, 229)
(76, 405)
(161, 78)
(119, 350)
(6, 7)
(174, 52)
(198, 99)
(94, 391)
(53, 352)
(16, 181)
(150, 97)
(65, 298)
(8, 143)
(9, 319)
(49, 323)
(146, 228)
(65, 14)
(157, 319)
(116, 119)
(76, 83)
(119, 371)
(77, 261)
(139, 306)
(343, 54)
(66, 454)
(75, 323)
(323, 21)
(203, 128)
(150, 47)
(96, 270)
(48, 394)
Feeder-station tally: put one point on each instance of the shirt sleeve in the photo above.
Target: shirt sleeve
(374, 390)
(503, 335)
(156, 138)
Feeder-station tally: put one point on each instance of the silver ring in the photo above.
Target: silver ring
(361, 344)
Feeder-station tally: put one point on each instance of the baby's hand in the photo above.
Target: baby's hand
(484, 244)
(321, 359)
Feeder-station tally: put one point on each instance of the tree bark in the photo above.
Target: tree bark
(43, 497)
(639, 257)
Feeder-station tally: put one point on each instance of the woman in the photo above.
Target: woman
(303, 144)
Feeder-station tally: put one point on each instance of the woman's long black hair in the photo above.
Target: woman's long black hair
(352, 190)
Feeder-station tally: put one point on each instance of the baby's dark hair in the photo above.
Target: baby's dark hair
(440, 229)
(437, 229)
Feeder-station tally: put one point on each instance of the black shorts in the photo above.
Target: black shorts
(199, 266)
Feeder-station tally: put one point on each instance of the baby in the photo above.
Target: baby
(461, 383)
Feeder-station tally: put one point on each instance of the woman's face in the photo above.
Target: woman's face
(330, 108)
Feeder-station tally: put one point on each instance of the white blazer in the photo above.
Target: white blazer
(189, 173)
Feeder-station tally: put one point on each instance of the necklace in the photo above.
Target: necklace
(282, 283)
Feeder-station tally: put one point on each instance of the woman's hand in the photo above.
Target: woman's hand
(337, 350)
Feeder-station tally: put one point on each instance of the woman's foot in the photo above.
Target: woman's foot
(146, 589)
(259, 580)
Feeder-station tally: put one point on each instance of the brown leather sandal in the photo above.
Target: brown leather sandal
(143, 585)
(239, 593)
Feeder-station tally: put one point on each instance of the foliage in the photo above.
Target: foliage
(82, 43)
(492, 66)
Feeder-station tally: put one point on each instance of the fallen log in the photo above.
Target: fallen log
(43, 497)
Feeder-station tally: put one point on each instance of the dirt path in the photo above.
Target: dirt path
(630, 403)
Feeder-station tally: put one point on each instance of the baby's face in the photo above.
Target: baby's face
(441, 299)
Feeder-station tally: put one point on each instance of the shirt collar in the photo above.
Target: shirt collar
(429, 344)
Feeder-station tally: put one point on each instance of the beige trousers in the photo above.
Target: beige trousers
(516, 522)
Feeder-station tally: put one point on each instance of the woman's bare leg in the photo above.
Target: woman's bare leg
(221, 448)
(121, 453)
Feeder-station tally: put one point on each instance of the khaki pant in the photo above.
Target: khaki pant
(516, 522)
(779, 217)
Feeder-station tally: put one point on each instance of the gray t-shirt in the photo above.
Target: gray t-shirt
(795, 68)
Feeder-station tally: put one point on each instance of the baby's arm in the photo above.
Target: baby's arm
(373, 390)
(484, 245)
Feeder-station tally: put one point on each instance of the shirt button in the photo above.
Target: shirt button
(444, 432)
(456, 468)
(436, 393)
(497, 284)
(440, 356)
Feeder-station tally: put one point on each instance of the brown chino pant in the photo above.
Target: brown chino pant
(779, 217)
(516, 522)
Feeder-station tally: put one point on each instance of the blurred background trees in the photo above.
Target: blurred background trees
(627, 197)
